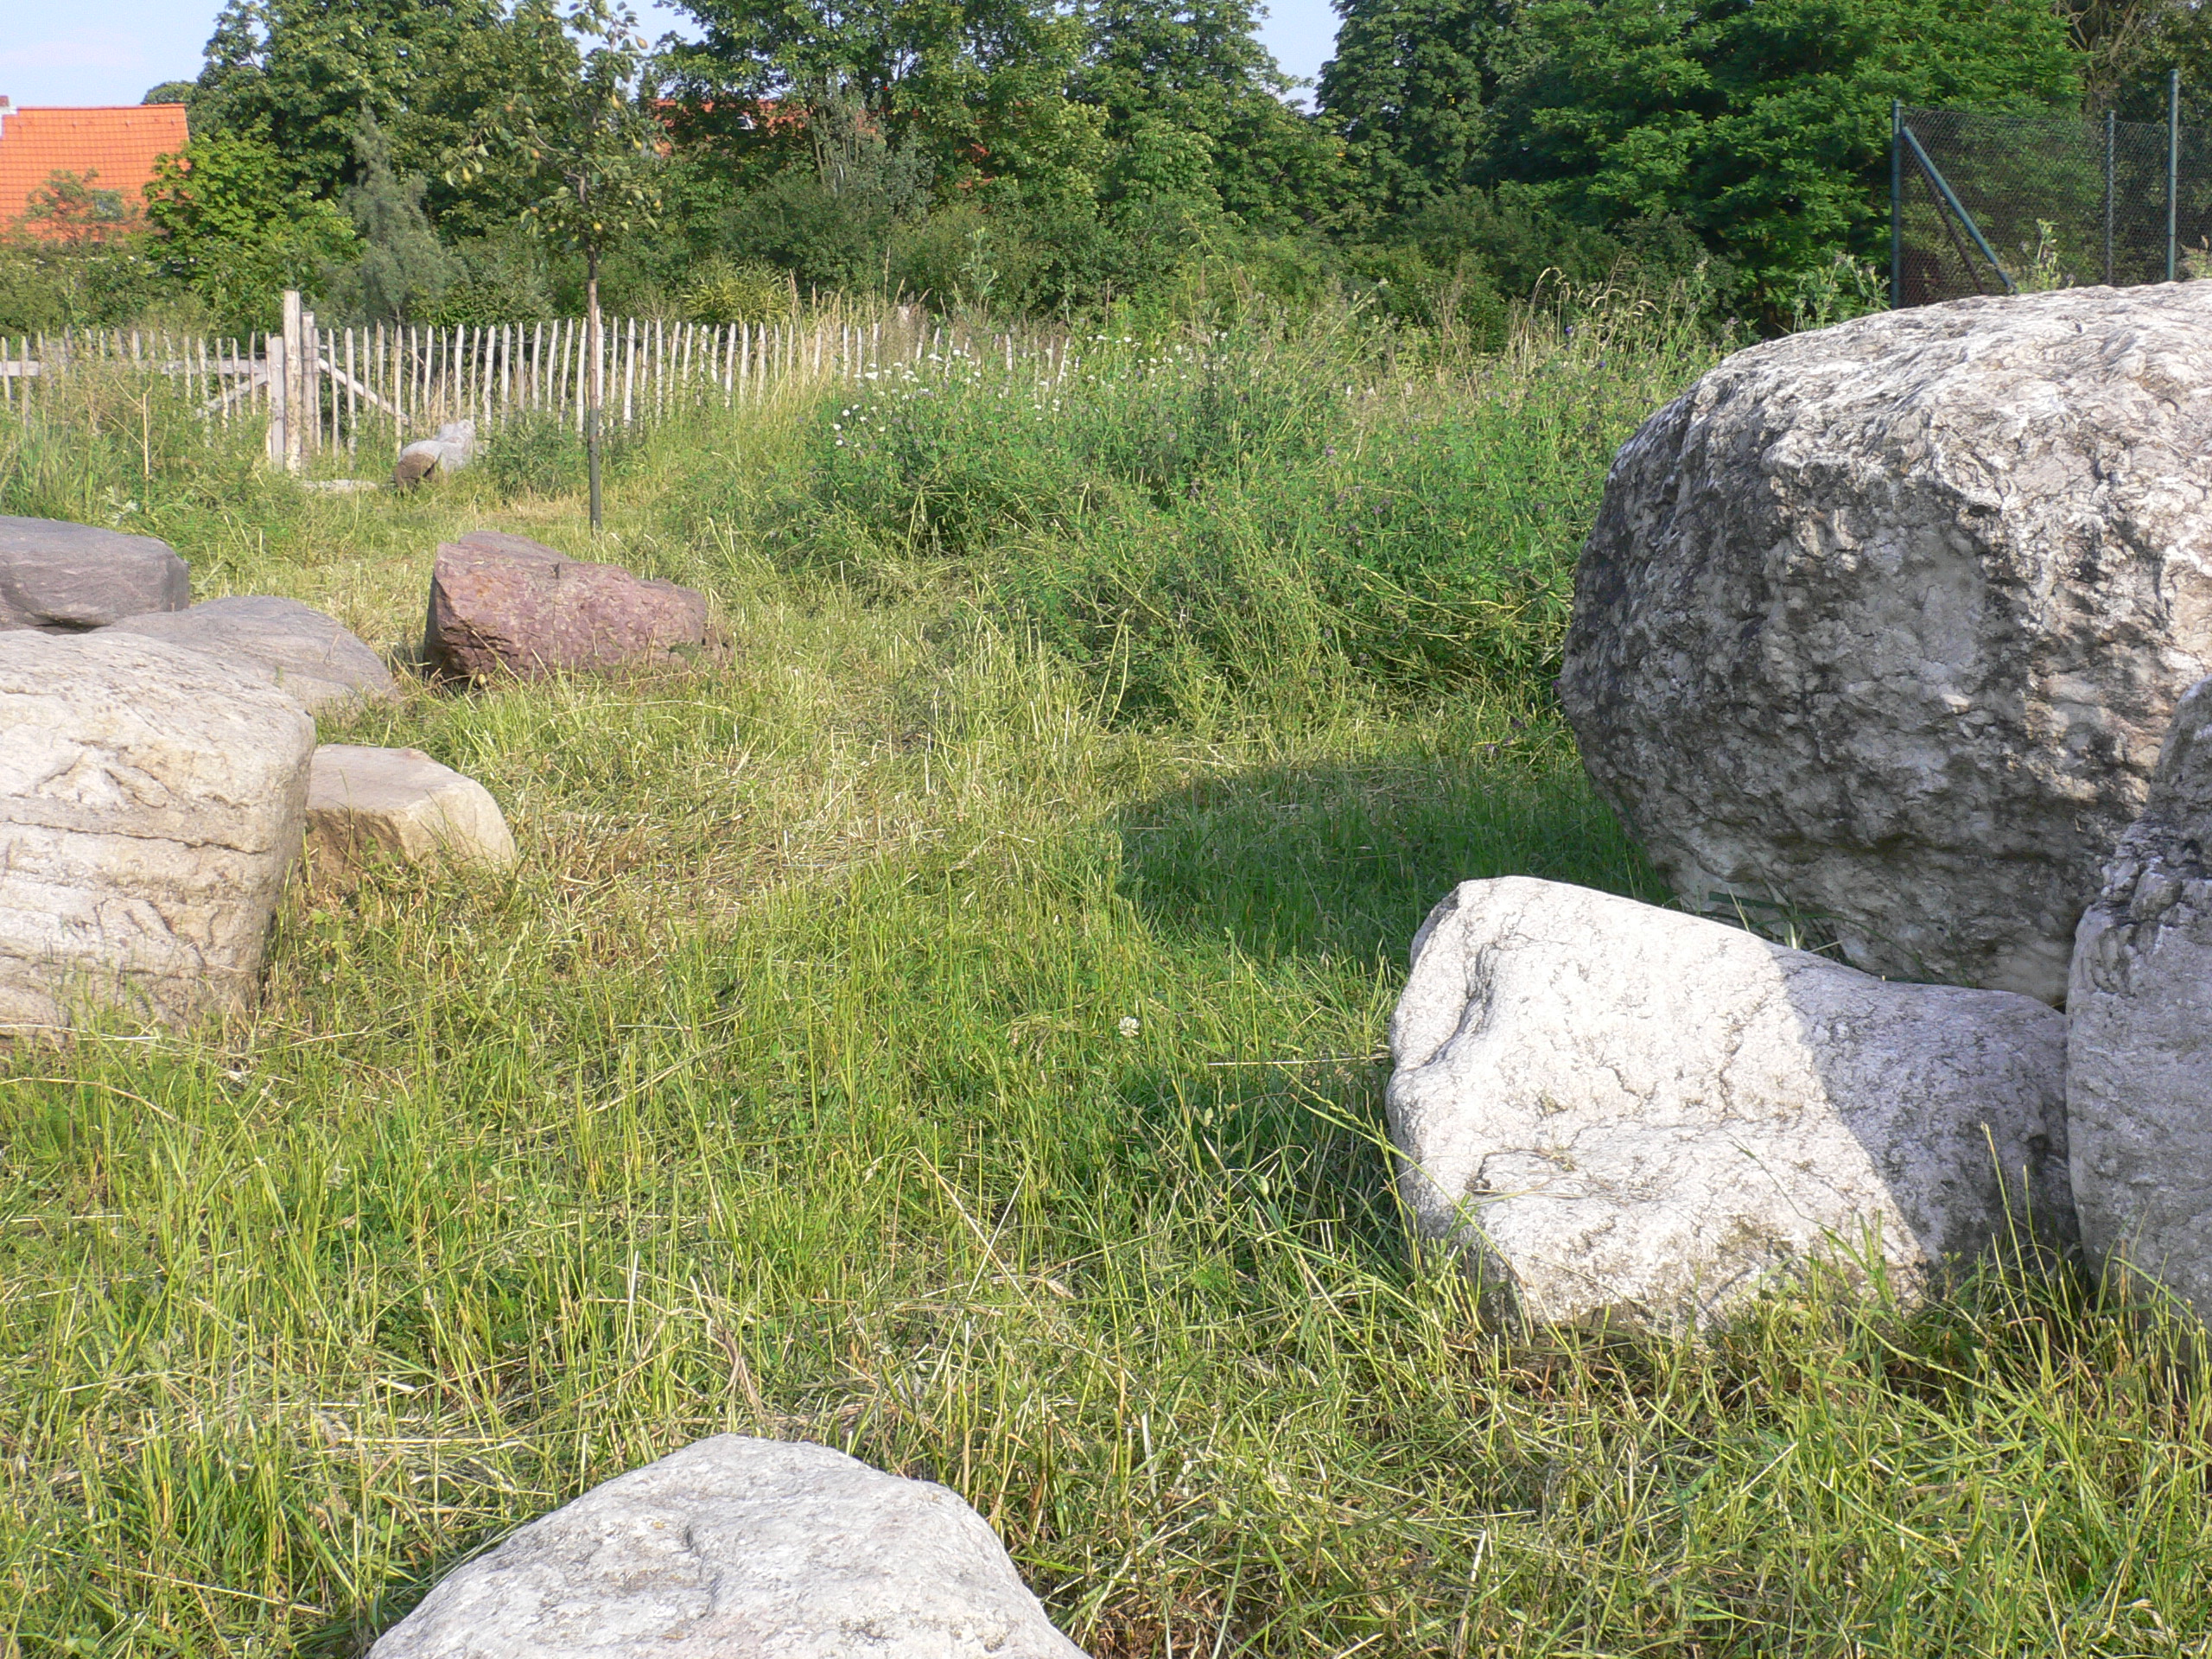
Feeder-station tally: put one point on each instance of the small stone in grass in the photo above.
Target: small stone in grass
(367, 804)
(736, 1546)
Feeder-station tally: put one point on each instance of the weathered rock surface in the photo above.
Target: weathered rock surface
(366, 803)
(506, 604)
(1886, 622)
(1614, 1109)
(292, 646)
(451, 450)
(60, 576)
(734, 1547)
(150, 806)
(2138, 1051)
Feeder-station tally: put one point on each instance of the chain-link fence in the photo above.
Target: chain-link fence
(1999, 204)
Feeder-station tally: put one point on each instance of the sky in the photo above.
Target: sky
(110, 51)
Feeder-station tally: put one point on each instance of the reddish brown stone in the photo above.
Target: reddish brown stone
(506, 604)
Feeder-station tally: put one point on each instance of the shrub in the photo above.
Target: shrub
(721, 290)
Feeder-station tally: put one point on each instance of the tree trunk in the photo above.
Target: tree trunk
(595, 386)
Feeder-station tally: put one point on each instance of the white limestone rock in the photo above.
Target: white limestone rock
(150, 806)
(451, 448)
(734, 1546)
(293, 645)
(1615, 1110)
(2138, 1051)
(368, 804)
(1886, 622)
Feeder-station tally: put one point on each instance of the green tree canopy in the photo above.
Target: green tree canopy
(1406, 89)
(298, 72)
(1765, 126)
(975, 87)
(1194, 110)
(237, 230)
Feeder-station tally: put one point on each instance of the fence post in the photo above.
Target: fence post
(305, 428)
(2173, 170)
(1896, 203)
(2111, 144)
(280, 356)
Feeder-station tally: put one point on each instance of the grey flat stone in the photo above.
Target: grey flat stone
(293, 645)
(64, 577)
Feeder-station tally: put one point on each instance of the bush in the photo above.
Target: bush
(533, 452)
(721, 290)
(45, 287)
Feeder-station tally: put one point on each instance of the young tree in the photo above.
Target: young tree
(582, 130)
(73, 209)
(404, 270)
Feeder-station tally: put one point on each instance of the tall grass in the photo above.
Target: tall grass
(891, 1039)
(1259, 522)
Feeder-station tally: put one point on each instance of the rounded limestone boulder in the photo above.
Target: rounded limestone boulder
(735, 1546)
(366, 805)
(1880, 626)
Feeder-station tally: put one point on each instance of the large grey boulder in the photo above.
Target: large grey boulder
(1884, 624)
(1615, 1110)
(63, 576)
(2139, 1052)
(150, 806)
(289, 645)
(364, 804)
(734, 1546)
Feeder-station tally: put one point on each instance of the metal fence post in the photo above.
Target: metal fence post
(2111, 145)
(2173, 172)
(1897, 203)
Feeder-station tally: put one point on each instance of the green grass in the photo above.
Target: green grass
(787, 1089)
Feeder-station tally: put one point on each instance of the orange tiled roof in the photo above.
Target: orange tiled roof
(118, 143)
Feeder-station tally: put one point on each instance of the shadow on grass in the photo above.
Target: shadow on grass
(1344, 861)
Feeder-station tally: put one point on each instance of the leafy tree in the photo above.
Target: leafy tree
(975, 88)
(239, 231)
(583, 130)
(169, 91)
(1194, 110)
(1406, 89)
(298, 72)
(1764, 126)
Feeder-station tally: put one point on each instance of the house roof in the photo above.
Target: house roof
(117, 143)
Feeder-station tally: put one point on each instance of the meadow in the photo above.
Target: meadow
(949, 1025)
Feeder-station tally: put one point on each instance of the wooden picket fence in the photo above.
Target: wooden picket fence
(321, 390)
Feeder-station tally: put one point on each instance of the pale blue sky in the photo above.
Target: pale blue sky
(110, 51)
